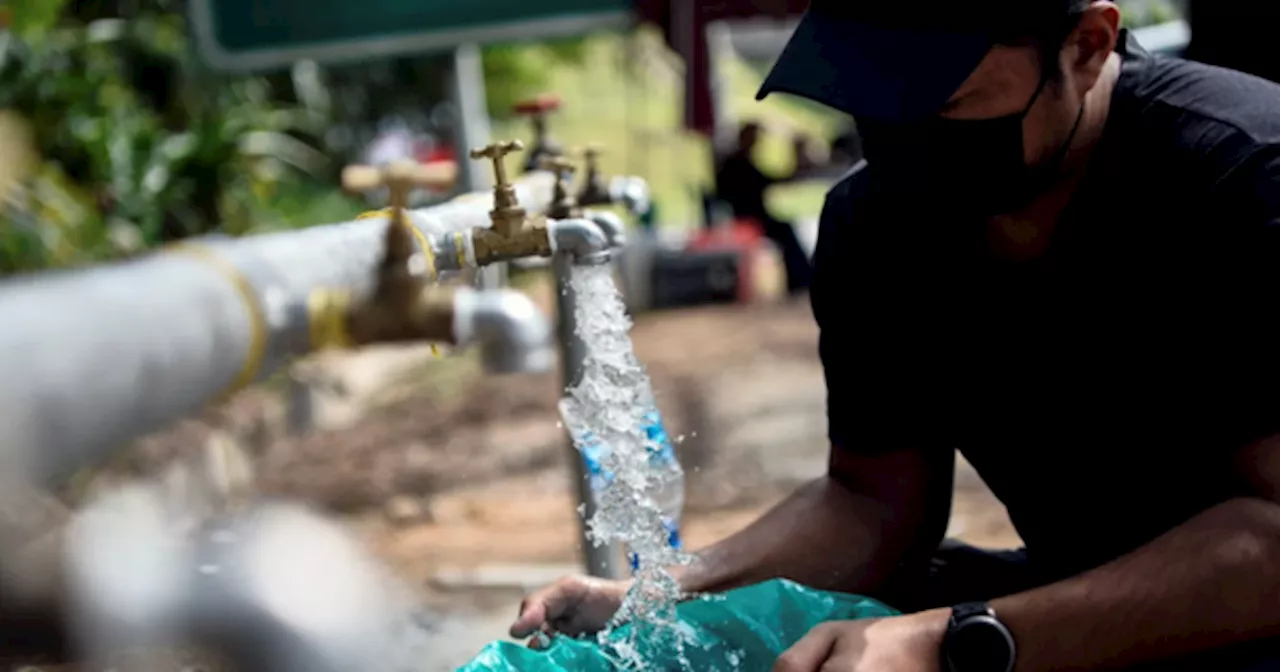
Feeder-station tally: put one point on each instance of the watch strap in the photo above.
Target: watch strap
(967, 610)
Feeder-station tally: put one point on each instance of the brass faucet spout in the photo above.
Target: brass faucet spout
(594, 190)
(402, 307)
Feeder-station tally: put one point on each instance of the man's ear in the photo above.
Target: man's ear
(1087, 49)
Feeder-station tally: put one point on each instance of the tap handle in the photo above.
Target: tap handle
(496, 153)
(591, 154)
(400, 178)
(559, 165)
(563, 169)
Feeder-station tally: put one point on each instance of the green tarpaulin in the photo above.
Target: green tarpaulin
(743, 630)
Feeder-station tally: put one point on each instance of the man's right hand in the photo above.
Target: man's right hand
(572, 606)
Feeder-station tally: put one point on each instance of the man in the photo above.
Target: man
(741, 185)
(1057, 260)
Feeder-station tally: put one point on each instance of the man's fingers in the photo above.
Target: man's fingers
(809, 653)
(542, 640)
(543, 607)
(533, 613)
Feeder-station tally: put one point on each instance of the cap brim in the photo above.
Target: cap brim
(887, 74)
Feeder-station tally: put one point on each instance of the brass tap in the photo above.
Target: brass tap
(403, 307)
(594, 190)
(514, 233)
(507, 215)
(563, 204)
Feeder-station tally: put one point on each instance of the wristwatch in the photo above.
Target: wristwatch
(976, 641)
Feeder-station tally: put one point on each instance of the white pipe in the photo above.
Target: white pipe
(95, 358)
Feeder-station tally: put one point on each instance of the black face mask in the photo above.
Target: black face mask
(975, 166)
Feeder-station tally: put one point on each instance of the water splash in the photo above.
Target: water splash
(609, 406)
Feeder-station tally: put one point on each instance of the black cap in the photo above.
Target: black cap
(897, 61)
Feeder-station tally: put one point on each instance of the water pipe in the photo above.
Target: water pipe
(98, 357)
(604, 561)
(271, 587)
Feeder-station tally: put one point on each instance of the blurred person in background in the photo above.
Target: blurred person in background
(1236, 34)
(1059, 259)
(394, 142)
(742, 185)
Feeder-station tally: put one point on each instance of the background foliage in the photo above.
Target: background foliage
(114, 138)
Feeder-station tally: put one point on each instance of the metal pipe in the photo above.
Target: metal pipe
(234, 587)
(582, 244)
(582, 240)
(513, 335)
(101, 356)
(601, 561)
(615, 231)
(632, 192)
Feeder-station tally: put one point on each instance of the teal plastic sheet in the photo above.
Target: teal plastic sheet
(743, 630)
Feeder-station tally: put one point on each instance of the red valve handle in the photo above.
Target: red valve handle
(543, 103)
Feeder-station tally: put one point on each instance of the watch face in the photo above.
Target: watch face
(980, 644)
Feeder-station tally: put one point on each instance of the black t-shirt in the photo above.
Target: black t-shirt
(742, 185)
(1102, 389)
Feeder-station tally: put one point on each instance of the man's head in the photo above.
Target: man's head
(902, 61)
(1018, 64)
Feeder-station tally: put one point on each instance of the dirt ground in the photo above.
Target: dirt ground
(742, 389)
(461, 483)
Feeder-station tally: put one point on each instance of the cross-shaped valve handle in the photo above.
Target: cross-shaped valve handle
(400, 178)
(557, 164)
(496, 153)
(562, 204)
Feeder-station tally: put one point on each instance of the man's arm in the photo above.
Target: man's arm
(1207, 584)
(851, 530)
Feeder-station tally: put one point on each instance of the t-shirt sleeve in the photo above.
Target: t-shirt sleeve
(881, 384)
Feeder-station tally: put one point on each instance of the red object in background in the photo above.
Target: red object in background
(684, 25)
(436, 154)
(543, 103)
(743, 236)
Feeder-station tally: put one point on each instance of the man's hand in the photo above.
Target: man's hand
(898, 644)
(573, 605)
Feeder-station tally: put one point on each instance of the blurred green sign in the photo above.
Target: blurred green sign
(263, 34)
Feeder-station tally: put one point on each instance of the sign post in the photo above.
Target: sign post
(252, 35)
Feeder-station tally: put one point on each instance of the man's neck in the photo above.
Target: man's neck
(1026, 234)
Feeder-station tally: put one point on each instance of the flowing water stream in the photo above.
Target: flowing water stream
(608, 407)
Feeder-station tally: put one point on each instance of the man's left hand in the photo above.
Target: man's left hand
(898, 644)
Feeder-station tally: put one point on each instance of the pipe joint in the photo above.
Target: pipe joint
(582, 239)
(513, 336)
